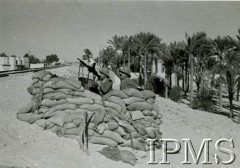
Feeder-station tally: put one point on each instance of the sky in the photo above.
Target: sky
(66, 28)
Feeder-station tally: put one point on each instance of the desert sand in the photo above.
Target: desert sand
(25, 145)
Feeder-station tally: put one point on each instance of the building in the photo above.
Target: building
(8, 63)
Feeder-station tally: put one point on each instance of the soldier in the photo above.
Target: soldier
(126, 82)
(105, 84)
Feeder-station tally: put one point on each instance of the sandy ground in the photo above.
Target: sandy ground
(24, 145)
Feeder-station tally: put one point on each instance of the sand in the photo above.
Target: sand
(25, 145)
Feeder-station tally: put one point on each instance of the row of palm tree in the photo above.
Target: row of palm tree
(196, 59)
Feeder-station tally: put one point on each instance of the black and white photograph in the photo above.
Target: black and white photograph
(119, 83)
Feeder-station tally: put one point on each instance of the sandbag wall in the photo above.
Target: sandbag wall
(58, 104)
(131, 118)
(125, 118)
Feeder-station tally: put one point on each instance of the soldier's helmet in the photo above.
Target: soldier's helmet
(126, 71)
(105, 71)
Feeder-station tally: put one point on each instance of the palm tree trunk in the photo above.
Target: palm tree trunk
(145, 67)
(191, 80)
(231, 104)
(129, 57)
(238, 88)
(183, 79)
(166, 87)
(152, 65)
(156, 65)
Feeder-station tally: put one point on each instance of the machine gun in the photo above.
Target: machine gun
(91, 69)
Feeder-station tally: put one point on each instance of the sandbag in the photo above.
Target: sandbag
(148, 94)
(158, 121)
(101, 128)
(151, 132)
(149, 118)
(115, 106)
(42, 123)
(155, 108)
(131, 92)
(117, 100)
(133, 143)
(62, 85)
(70, 125)
(40, 74)
(98, 109)
(120, 131)
(103, 141)
(140, 128)
(140, 106)
(32, 90)
(75, 83)
(112, 125)
(111, 135)
(50, 103)
(88, 94)
(113, 112)
(151, 100)
(43, 110)
(46, 78)
(28, 117)
(62, 107)
(136, 115)
(34, 81)
(79, 100)
(26, 109)
(131, 100)
(115, 92)
(147, 113)
(97, 102)
(38, 84)
(72, 131)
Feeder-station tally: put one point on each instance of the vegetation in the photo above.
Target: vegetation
(175, 93)
(197, 60)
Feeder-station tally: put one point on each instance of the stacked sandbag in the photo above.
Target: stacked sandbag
(62, 105)
(133, 115)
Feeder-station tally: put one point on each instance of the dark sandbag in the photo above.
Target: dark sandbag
(103, 141)
(47, 78)
(128, 157)
(117, 100)
(76, 83)
(140, 106)
(111, 153)
(115, 92)
(148, 94)
(62, 85)
(131, 92)
(62, 107)
(131, 100)
(40, 74)
(29, 117)
(27, 109)
(38, 84)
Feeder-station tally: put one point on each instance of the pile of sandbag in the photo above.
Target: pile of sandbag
(61, 105)
(121, 117)
(131, 118)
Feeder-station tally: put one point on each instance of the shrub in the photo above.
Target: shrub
(204, 100)
(156, 84)
(175, 93)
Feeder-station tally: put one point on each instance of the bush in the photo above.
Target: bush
(156, 84)
(175, 93)
(203, 100)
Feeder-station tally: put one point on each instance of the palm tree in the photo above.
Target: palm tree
(193, 44)
(108, 56)
(87, 54)
(230, 65)
(220, 48)
(146, 41)
(127, 47)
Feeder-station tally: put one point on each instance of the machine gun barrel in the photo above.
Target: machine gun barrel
(91, 69)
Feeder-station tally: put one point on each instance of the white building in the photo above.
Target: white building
(8, 63)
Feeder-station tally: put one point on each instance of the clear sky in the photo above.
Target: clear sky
(66, 27)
